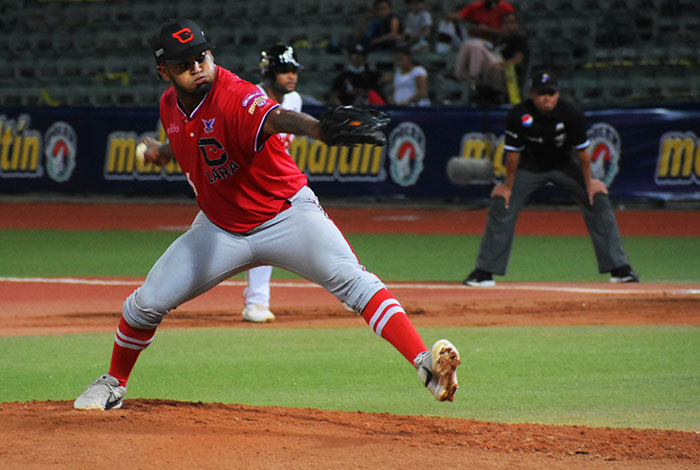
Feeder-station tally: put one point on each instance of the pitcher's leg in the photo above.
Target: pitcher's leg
(304, 240)
(195, 262)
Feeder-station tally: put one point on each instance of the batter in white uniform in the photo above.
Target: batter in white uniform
(278, 68)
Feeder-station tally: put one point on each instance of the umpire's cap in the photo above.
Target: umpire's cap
(178, 40)
(543, 82)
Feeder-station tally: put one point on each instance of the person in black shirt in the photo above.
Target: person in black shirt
(357, 84)
(542, 134)
(384, 30)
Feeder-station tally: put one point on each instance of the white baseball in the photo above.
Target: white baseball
(140, 153)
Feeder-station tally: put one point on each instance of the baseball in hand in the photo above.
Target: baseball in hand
(140, 153)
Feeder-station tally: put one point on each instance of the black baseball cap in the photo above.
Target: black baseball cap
(178, 40)
(544, 81)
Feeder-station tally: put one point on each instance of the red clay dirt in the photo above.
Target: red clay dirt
(150, 434)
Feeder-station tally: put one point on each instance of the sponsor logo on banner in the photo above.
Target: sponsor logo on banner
(60, 149)
(479, 145)
(320, 162)
(121, 162)
(20, 148)
(678, 160)
(604, 150)
(406, 153)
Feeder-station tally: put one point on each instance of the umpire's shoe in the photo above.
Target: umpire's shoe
(437, 369)
(105, 393)
(624, 274)
(479, 278)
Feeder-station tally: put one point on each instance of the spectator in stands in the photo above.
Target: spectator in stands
(410, 81)
(357, 84)
(384, 29)
(482, 63)
(418, 26)
(485, 18)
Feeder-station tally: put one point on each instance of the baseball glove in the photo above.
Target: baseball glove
(349, 125)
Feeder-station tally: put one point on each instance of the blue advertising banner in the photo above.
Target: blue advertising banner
(640, 153)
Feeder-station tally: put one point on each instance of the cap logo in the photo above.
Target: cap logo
(288, 56)
(545, 78)
(184, 35)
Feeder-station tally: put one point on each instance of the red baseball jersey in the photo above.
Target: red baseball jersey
(478, 13)
(240, 176)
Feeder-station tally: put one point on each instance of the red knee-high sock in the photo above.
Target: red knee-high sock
(387, 318)
(128, 344)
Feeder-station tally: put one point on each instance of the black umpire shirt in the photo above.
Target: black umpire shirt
(545, 141)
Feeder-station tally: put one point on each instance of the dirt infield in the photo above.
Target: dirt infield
(154, 434)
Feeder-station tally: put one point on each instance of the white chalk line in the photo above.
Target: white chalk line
(418, 286)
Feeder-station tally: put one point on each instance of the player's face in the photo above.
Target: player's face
(545, 102)
(286, 82)
(193, 76)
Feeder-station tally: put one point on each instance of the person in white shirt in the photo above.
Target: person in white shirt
(279, 70)
(418, 26)
(410, 81)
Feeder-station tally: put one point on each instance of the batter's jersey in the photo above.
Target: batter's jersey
(240, 176)
(291, 101)
(545, 141)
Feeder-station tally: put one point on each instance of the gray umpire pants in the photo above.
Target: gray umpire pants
(497, 241)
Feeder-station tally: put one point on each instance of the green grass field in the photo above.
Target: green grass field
(637, 376)
(393, 257)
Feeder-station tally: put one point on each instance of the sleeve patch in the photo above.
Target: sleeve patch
(253, 97)
(259, 101)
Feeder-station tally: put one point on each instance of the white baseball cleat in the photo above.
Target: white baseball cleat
(437, 369)
(258, 313)
(105, 393)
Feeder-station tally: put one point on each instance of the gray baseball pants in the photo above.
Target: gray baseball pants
(301, 239)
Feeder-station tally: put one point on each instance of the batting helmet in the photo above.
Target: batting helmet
(278, 59)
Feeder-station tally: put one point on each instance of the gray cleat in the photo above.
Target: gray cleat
(105, 393)
(437, 369)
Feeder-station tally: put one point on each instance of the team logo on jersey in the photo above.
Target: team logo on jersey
(208, 125)
(526, 120)
(173, 128)
(604, 149)
(60, 148)
(406, 153)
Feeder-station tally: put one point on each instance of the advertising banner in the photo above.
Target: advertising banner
(640, 153)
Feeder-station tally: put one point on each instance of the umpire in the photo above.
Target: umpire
(542, 135)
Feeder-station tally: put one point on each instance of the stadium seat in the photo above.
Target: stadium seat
(594, 38)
